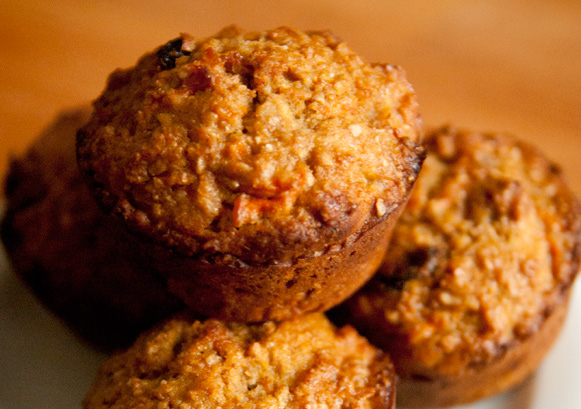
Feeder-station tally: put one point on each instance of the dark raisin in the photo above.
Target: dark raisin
(423, 261)
(170, 52)
(394, 282)
(555, 169)
(418, 257)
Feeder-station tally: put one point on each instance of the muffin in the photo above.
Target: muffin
(265, 169)
(301, 363)
(77, 260)
(475, 285)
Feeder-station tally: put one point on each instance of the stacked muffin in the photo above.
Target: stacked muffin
(475, 285)
(259, 175)
(256, 178)
(80, 262)
(265, 169)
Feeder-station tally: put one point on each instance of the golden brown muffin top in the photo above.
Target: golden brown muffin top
(252, 144)
(487, 245)
(301, 363)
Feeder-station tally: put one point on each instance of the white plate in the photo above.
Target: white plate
(43, 365)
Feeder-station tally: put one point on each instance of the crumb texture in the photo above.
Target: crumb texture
(301, 363)
(252, 144)
(486, 248)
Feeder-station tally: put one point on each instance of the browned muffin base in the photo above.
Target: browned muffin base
(277, 292)
(478, 382)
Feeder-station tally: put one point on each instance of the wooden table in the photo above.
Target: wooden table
(487, 65)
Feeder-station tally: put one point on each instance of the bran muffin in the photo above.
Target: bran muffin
(78, 261)
(301, 363)
(475, 284)
(261, 166)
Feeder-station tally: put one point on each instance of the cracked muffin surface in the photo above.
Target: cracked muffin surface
(305, 362)
(265, 146)
(482, 257)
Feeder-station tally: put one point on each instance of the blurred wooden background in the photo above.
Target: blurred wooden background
(500, 65)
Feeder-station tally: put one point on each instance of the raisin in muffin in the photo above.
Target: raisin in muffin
(475, 284)
(304, 362)
(263, 167)
(79, 261)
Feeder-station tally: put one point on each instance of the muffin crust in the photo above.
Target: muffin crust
(263, 146)
(301, 363)
(480, 263)
(255, 163)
